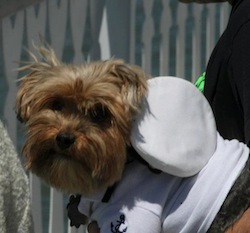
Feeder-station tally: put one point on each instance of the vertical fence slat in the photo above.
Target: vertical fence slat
(56, 212)
(165, 30)
(180, 45)
(117, 16)
(210, 30)
(196, 43)
(104, 38)
(78, 16)
(12, 45)
(36, 23)
(132, 46)
(57, 24)
(225, 10)
(96, 16)
(36, 200)
(147, 35)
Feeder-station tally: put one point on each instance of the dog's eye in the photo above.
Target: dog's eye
(57, 105)
(99, 114)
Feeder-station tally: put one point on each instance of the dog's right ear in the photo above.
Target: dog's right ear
(36, 69)
(24, 99)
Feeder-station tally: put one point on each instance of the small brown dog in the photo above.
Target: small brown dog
(79, 120)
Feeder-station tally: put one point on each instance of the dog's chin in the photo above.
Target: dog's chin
(69, 174)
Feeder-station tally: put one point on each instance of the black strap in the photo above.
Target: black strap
(108, 193)
(133, 154)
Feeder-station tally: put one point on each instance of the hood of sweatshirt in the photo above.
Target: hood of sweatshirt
(175, 131)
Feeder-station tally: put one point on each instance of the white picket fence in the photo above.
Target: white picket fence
(163, 36)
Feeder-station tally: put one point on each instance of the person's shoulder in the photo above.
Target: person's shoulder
(7, 148)
(240, 12)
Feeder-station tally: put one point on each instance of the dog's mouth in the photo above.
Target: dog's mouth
(59, 155)
(53, 154)
(45, 159)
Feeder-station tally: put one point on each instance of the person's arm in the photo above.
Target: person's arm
(240, 71)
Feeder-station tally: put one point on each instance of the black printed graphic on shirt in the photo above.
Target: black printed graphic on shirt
(120, 226)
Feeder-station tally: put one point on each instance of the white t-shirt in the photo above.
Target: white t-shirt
(161, 203)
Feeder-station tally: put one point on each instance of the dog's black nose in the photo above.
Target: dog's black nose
(65, 140)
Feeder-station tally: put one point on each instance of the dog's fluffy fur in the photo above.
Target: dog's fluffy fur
(79, 119)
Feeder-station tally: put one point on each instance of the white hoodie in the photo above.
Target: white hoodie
(175, 133)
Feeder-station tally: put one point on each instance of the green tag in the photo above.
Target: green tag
(200, 83)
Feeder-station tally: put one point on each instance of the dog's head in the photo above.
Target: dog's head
(78, 120)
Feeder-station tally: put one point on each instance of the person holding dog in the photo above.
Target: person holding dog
(227, 81)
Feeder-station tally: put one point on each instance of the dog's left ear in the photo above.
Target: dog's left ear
(134, 83)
